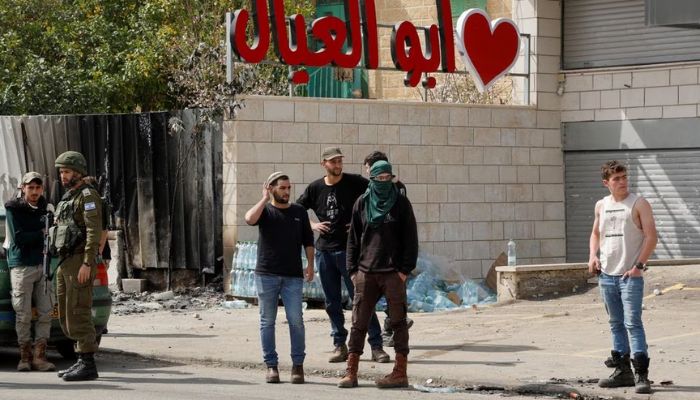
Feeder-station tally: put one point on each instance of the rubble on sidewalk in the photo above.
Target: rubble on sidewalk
(178, 300)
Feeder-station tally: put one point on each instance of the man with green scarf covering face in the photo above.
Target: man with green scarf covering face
(382, 250)
(381, 193)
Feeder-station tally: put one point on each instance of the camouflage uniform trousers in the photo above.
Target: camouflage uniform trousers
(75, 304)
(28, 283)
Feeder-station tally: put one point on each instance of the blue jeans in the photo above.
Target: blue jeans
(331, 269)
(623, 302)
(270, 288)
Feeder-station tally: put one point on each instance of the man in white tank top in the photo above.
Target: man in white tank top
(625, 234)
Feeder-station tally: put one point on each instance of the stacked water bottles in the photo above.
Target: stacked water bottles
(243, 274)
(427, 291)
(313, 290)
(243, 270)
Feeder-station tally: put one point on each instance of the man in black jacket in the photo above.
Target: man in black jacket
(373, 157)
(26, 233)
(382, 250)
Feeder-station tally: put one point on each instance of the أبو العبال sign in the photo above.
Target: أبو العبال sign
(488, 48)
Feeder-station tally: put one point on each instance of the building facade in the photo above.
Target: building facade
(480, 175)
(629, 90)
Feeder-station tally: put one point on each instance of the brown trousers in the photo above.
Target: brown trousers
(369, 288)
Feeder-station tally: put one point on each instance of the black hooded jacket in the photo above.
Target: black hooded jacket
(25, 226)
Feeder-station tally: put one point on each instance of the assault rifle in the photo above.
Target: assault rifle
(48, 222)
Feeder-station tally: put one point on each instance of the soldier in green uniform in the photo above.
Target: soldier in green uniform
(76, 239)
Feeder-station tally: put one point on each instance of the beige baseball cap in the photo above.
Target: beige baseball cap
(330, 153)
(32, 176)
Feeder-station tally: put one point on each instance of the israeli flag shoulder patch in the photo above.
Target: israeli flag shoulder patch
(90, 206)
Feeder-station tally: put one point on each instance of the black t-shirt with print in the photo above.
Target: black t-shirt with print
(334, 204)
(283, 233)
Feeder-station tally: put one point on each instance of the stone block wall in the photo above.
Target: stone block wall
(655, 92)
(542, 20)
(476, 175)
(533, 282)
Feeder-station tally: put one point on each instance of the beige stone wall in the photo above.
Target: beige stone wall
(389, 84)
(652, 92)
(476, 175)
(499, 8)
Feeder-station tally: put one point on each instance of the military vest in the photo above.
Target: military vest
(67, 235)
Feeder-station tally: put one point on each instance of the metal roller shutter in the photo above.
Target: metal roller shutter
(604, 33)
(668, 179)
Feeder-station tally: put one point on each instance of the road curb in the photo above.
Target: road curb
(541, 389)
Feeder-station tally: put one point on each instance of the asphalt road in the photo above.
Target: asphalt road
(126, 377)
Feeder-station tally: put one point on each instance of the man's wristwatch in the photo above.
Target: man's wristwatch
(641, 266)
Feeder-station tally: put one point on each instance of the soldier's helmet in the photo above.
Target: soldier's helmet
(72, 160)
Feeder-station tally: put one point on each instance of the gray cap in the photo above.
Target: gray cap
(273, 177)
(32, 176)
(330, 153)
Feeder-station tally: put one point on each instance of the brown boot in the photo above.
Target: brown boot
(40, 363)
(340, 354)
(25, 357)
(380, 356)
(297, 374)
(398, 377)
(350, 378)
(273, 375)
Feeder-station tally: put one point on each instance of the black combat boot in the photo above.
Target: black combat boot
(622, 376)
(62, 372)
(641, 369)
(86, 371)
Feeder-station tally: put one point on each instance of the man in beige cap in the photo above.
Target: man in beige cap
(26, 233)
(283, 230)
(332, 197)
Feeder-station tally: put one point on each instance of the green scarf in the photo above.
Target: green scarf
(379, 197)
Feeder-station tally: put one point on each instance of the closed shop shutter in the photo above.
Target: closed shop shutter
(604, 33)
(668, 179)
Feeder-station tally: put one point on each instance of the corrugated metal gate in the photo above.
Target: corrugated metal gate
(604, 33)
(668, 179)
(139, 157)
(663, 157)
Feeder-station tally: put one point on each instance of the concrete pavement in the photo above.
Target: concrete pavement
(135, 378)
(522, 345)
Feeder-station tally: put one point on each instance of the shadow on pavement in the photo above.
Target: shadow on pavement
(160, 335)
(675, 388)
(476, 348)
(61, 386)
(177, 380)
(452, 362)
(128, 370)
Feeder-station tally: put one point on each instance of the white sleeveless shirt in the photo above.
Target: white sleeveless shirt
(620, 238)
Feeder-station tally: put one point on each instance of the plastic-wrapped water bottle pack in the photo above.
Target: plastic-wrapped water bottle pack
(243, 274)
(426, 289)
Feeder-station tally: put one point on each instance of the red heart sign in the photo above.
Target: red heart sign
(489, 49)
